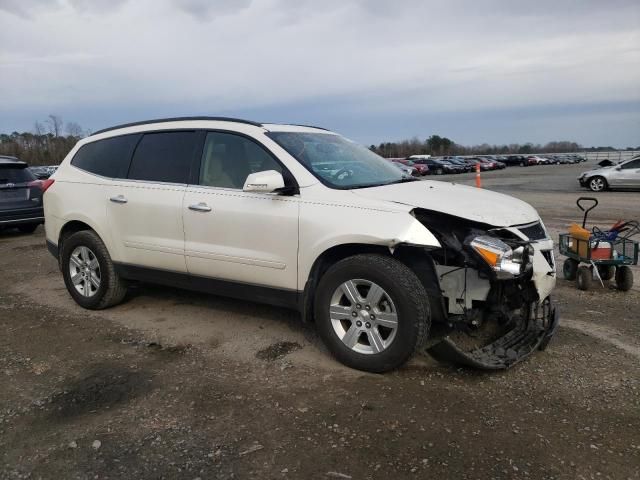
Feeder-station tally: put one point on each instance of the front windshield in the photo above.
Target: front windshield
(338, 162)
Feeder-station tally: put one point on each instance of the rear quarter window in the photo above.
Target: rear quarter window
(109, 157)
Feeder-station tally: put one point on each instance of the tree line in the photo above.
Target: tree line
(48, 144)
(52, 139)
(438, 146)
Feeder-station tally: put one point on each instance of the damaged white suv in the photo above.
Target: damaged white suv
(301, 217)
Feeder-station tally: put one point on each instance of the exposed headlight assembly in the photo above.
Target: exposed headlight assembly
(503, 260)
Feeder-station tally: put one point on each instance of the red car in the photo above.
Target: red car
(422, 169)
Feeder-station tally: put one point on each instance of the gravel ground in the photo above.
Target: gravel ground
(175, 384)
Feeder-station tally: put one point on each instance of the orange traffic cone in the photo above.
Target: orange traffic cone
(478, 180)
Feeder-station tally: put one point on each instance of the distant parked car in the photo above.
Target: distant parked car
(406, 169)
(625, 175)
(20, 196)
(422, 169)
(490, 164)
(460, 162)
(42, 173)
(512, 160)
(473, 161)
(438, 166)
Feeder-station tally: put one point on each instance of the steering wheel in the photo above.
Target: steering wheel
(342, 174)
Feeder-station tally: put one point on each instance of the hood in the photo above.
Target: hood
(461, 201)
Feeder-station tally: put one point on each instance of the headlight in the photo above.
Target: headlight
(503, 260)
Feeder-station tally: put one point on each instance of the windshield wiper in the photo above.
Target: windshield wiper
(371, 185)
(403, 180)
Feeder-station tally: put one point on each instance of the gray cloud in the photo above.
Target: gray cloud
(26, 8)
(206, 9)
(387, 59)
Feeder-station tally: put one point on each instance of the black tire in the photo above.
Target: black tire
(597, 184)
(569, 269)
(523, 164)
(28, 228)
(584, 278)
(439, 171)
(624, 278)
(112, 289)
(405, 291)
(606, 272)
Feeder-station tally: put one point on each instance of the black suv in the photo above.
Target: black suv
(20, 196)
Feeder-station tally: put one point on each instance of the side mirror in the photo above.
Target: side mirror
(618, 168)
(264, 182)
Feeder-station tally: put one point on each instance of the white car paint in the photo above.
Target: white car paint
(260, 238)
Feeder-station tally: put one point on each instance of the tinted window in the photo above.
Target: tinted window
(163, 157)
(15, 175)
(632, 164)
(109, 157)
(228, 159)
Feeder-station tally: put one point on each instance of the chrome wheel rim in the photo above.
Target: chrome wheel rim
(363, 316)
(84, 271)
(597, 184)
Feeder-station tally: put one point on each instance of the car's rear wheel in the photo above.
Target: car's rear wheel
(523, 164)
(89, 273)
(372, 312)
(439, 171)
(28, 228)
(597, 184)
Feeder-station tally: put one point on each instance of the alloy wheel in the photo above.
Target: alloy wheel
(84, 270)
(363, 316)
(596, 184)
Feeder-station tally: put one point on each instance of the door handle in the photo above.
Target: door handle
(118, 199)
(200, 207)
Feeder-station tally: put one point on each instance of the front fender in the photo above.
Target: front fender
(326, 226)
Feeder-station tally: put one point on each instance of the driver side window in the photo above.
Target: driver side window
(228, 159)
(631, 165)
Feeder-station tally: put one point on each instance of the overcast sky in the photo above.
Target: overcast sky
(496, 71)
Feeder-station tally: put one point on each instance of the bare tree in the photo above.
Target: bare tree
(54, 122)
(74, 130)
(38, 128)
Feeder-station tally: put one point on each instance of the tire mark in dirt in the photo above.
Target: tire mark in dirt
(601, 332)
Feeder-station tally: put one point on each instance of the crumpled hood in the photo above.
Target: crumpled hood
(462, 201)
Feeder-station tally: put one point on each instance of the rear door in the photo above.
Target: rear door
(145, 209)
(18, 195)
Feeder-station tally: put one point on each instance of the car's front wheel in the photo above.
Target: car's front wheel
(597, 184)
(89, 273)
(372, 312)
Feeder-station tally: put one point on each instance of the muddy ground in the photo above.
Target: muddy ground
(175, 384)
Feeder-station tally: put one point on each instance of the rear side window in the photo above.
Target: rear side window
(109, 158)
(164, 157)
(15, 175)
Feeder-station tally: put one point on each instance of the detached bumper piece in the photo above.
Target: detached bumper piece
(532, 331)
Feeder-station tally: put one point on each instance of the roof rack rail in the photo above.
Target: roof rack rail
(176, 119)
(299, 125)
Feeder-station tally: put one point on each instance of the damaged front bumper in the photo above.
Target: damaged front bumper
(529, 331)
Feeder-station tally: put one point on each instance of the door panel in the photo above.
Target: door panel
(245, 237)
(146, 223)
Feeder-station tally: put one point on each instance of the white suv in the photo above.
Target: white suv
(301, 217)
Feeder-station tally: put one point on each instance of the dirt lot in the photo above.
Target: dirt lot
(174, 384)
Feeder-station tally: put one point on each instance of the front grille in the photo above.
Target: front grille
(534, 231)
